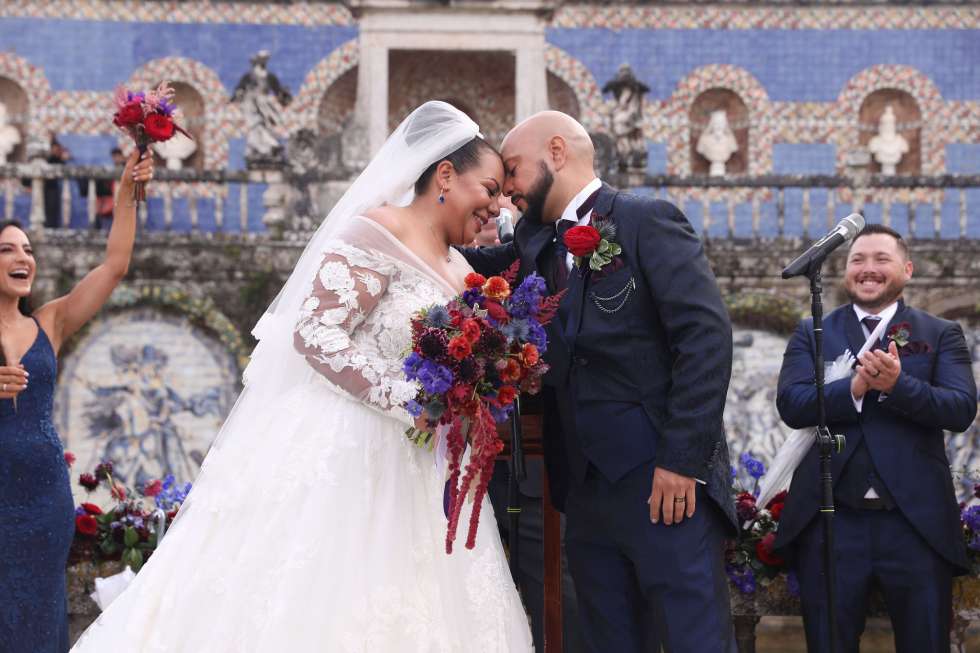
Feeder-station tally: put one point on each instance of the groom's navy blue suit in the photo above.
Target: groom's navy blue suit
(640, 362)
(909, 542)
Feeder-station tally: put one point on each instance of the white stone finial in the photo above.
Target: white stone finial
(9, 135)
(717, 143)
(175, 150)
(888, 146)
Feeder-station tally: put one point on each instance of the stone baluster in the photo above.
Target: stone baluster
(90, 204)
(243, 207)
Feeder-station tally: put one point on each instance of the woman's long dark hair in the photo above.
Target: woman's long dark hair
(463, 158)
(24, 304)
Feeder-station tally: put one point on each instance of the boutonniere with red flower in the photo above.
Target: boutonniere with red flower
(901, 335)
(595, 243)
(148, 117)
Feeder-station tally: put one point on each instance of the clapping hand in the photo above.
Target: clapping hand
(879, 370)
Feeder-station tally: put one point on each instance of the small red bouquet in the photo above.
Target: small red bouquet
(148, 117)
(471, 358)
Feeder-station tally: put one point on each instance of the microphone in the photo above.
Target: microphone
(844, 231)
(505, 226)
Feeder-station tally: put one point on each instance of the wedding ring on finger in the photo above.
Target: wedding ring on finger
(876, 374)
(680, 499)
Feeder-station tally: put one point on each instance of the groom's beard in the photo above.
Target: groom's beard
(536, 196)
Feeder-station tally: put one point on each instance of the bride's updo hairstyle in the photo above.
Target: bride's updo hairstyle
(463, 159)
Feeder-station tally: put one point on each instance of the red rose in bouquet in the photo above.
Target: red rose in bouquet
(763, 550)
(459, 348)
(474, 280)
(128, 115)
(86, 525)
(158, 127)
(69, 458)
(506, 395)
(530, 355)
(91, 508)
(582, 241)
(471, 330)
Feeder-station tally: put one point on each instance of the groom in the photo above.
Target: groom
(640, 356)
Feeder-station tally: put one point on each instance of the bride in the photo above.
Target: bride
(315, 525)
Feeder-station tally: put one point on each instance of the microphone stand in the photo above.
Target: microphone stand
(517, 474)
(827, 444)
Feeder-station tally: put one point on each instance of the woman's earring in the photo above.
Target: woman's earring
(442, 196)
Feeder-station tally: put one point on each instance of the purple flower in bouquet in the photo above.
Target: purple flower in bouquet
(473, 296)
(976, 490)
(536, 335)
(414, 408)
(792, 584)
(172, 494)
(742, 578)
(754, 467)
(435, 378)
(411, 366)
(971, 517)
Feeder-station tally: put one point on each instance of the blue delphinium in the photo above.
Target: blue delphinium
(172, 494)
(435, 378)
(536, 336)
(411, 366)
(755, 468)
(971, 517)
(743, 578)
(413, 407)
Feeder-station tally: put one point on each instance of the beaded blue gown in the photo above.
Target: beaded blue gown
(36, 514)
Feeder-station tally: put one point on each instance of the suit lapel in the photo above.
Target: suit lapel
(536, 245)
(852, 327)
(898, 318)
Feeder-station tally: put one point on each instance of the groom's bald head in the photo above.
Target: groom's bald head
(548, 159)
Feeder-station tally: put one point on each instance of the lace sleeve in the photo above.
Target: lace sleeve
(347, 288)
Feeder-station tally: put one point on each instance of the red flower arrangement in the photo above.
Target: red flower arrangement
(471, 358)
(148, 117)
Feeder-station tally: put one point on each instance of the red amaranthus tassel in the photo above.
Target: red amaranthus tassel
(486, 446)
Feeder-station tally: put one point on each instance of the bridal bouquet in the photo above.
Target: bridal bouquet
(148, 117)
(471, 358)
(130, 530)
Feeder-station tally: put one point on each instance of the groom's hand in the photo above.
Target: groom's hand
(668, 488)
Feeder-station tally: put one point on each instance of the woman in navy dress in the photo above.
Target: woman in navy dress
(36, 506)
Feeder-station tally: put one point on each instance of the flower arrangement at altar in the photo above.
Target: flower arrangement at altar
(148, 117)
(471, 358)
(750, 560)
(129, 530)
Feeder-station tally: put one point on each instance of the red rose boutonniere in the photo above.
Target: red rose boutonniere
(901, 335)
(593, 243)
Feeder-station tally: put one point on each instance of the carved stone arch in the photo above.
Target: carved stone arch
(563, 67)
(211, 97)
(328, 93)
(27, 91)
(749, 91)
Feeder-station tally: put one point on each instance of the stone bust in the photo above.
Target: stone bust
(717, 143)
(888, 146)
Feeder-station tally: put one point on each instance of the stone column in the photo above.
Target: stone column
(372, 92)
(531, 83)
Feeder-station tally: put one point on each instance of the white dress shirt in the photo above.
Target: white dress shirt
(571, 211)
(887, 316)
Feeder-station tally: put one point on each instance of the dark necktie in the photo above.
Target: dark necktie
(870, 323)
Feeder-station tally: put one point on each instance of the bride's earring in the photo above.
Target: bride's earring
(442, 195)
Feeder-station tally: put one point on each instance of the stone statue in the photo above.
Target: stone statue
(176, 150)
(263, 99)
(9, 135)
(627, 119)
(888, 146)
(717, 143)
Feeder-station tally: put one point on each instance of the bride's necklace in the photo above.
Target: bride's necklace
(449, 250)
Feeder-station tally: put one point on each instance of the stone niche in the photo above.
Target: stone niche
(337, 104)
(15, 99)
(720, 99)
(191, 104)
(907, 115)
(479, 83)
(561, 97)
